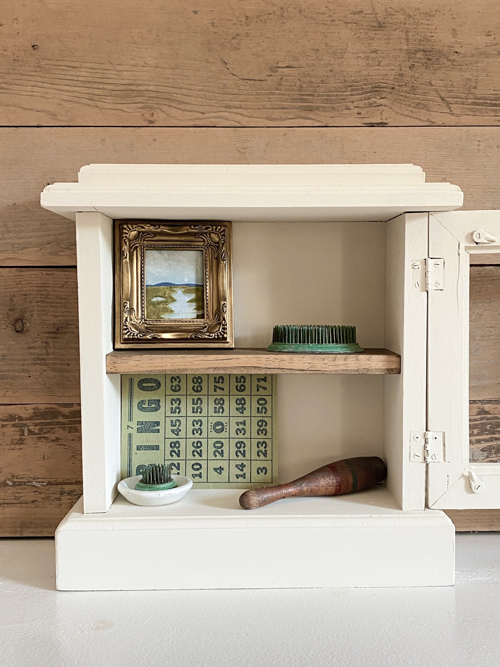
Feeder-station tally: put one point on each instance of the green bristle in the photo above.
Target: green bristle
(314, 338)
(156, 473)
(314, 334)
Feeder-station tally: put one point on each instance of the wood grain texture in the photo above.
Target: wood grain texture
(484, 431)
(333, 479)
(475, 520)
(40, 472)
(484, 345)
(488, 259)
(371, 362)
(32, 158)
(38, 336)
(179, 64)
(484, 379)
(267, 63)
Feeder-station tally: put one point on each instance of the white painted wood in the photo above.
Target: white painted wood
(450, 236)
(250, 174)
(207, 541)
(266, 193)
(210, 174)
(448, 360)
(100, 392)
(363, 540)
(463, 224)
(459, 495)
(405, 333)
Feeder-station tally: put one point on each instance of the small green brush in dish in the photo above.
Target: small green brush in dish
(156, 477)
(315, 338)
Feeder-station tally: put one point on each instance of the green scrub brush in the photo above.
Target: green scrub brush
(156, 477)
(315, 338)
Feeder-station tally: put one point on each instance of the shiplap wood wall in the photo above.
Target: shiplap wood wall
(183, 81)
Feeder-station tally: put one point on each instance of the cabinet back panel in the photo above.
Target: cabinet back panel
(315, 273)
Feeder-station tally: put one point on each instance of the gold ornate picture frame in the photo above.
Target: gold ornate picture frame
(173, 284)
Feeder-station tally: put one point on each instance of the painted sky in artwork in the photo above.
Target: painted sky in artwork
(180, 267)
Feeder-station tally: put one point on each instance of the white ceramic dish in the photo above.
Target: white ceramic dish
(153, 498)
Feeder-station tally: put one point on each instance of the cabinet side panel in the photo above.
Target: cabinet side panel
(405, 333)
(100, 392)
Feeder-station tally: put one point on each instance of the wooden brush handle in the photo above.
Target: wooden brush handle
(334, 479)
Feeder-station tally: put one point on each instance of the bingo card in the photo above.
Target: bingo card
(219, 430)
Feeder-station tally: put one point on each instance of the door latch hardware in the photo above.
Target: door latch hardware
(476, 485)
(480, 237)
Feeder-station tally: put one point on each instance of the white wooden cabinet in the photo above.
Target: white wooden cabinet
(386, 252)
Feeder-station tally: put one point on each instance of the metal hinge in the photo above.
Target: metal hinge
(427, 447)
(428, 274)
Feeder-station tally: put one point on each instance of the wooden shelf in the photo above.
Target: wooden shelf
(369, 362)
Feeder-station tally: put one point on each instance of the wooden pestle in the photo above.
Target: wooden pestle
(334, 479)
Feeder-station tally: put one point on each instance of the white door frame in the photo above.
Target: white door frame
(455, 483)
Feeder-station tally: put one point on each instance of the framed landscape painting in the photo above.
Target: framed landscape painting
(173, 284)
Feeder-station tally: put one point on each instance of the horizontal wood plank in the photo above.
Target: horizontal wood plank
(217, 65)
(19, 520)
(370, 362)
(267, 63)
(38, 336)
(32, 158)
(40, 471)
(486, 259)
(475, 520)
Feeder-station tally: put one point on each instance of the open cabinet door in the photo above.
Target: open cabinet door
(464, 462)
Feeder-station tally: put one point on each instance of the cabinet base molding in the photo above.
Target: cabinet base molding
(207, 542)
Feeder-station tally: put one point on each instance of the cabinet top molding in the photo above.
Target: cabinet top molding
(251, 193)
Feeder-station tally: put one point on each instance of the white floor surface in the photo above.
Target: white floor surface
(406, 627)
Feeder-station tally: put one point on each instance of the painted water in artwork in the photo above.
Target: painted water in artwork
(174, 284)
